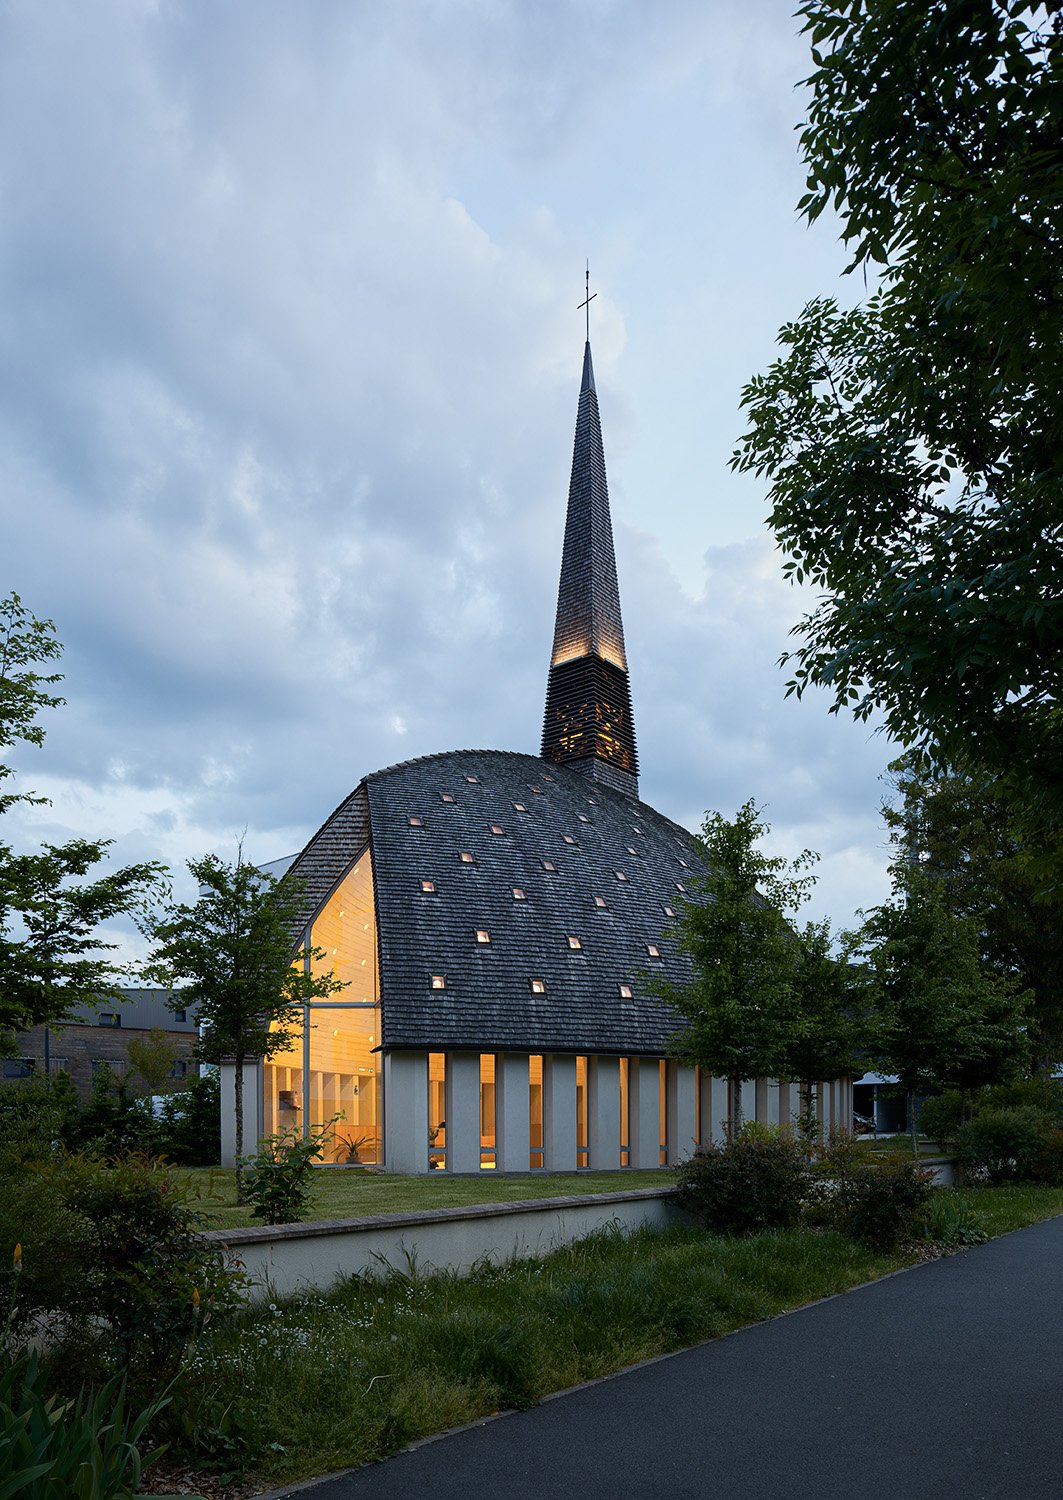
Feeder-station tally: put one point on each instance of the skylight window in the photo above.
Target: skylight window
(653, 950)
(669, 911)
(473, 780)
(548, 778)
(538, 790)
(630, 850)
(518, 893)
(482, 935)
(497, 828)
(519, 807)
(537, 986)
(619, 874)
(583, 817)
(428, 886)
(466, 857)
(574, 942)
(568, 838)
(624, 991)
(599, 900)
(438, 982)
(446, 796)
(548, 864)
(415, 822)
(680, 887)
(684, 864)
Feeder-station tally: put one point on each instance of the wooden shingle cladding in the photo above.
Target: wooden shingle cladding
(488, 1003)
(588, 715)
(329, 855)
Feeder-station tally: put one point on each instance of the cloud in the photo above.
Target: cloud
(289, 357)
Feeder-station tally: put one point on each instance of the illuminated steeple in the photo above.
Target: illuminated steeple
(588, 722)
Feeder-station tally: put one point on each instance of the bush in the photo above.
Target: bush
(1042, 1094)
(1002, 1145)
(756, 1181)
(114, 1123)
(1048, 1168)
(78, 1450)
(189, 1126)
(940, 1117)
(882, 1204)
(276, 1181)
(950, 1222)
(32, 1118)
(41, 1257)
(146, 1273)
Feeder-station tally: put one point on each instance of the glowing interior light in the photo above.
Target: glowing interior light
(482, 935)
(625, 991)
(574, 942)
(599, 900)
(428, 885)
(538, 986)
(416, 822)
(653, 950)
(466, 857)
(518, 894)
(497, 828)
(438, 982)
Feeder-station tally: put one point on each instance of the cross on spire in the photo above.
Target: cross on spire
(587, 303)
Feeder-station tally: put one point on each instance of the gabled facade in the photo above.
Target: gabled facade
(498, 918)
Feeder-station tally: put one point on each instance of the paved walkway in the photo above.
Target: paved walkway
(945, 1381)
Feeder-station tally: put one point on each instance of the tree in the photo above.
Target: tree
(941, 1018)
(236, 956)
(914, 445)
(827, 1025)
(52, 957)
(959, 829)
(153, 1057)
(738, 1006)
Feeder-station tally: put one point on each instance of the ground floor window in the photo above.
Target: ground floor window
(330, 1069)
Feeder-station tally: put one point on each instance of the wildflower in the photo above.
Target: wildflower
(195, 1298)
(16, 1259)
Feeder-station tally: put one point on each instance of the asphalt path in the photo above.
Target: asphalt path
(944, 1381)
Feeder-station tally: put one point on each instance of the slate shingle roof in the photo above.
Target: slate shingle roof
(585, 830)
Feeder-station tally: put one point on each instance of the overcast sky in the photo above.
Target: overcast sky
(290, 359)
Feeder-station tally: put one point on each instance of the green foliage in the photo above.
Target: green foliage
(828, 1027)
(189, 1126)
(942, 1018)
(739, 1007)
(236, 956)
(41, 1256)
(1002, 1145)
(152, 1057)
(960, 830)
(277, 1179)
(113, 1123)
(32, 1118)
(941, 1116)
(951, 1221)
(913, 446)
(147, 1275)
(882, 1204)
(51, 953)
(757, 1181)
(86, 1449)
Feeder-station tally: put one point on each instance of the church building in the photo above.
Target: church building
(499, 918)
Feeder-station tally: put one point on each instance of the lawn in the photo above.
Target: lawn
(345, 1194)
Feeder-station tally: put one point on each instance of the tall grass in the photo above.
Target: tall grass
(324, 1381)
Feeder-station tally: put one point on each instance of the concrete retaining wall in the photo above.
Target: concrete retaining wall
(287, 1258)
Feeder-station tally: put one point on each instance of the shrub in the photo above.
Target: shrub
(276, 1181)
(882, 1204)
(1001, 1145)
(1048, 1168)
(756, 1181)
(146, 1273)
(950, 1222)
(85, 1449)
(45, 1276)
(114, 1123)
(31, 1122)
(189, 1127)
(941, 1116)
(1042, 1094)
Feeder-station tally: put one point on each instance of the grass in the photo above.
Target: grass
(351, 1195)
(328, 1380)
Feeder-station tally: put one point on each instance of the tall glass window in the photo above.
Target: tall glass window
(333, 1067)
(535, 1111)
(488, 1157)
(437, 1110)
(625, 1114)
(663, 1089)
(582, 1156)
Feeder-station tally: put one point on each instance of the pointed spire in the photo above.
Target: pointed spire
(588, 706)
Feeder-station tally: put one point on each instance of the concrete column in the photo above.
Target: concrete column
(559, 1112)
(463, 1111)
(512, 1115)
(760, 1089)
(406, 1111)
(603, 1112)
(252, 1110)
(680, 1113)
(716, 1130)
(644, 1086)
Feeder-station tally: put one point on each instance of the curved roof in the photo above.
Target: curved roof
(600, 843)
